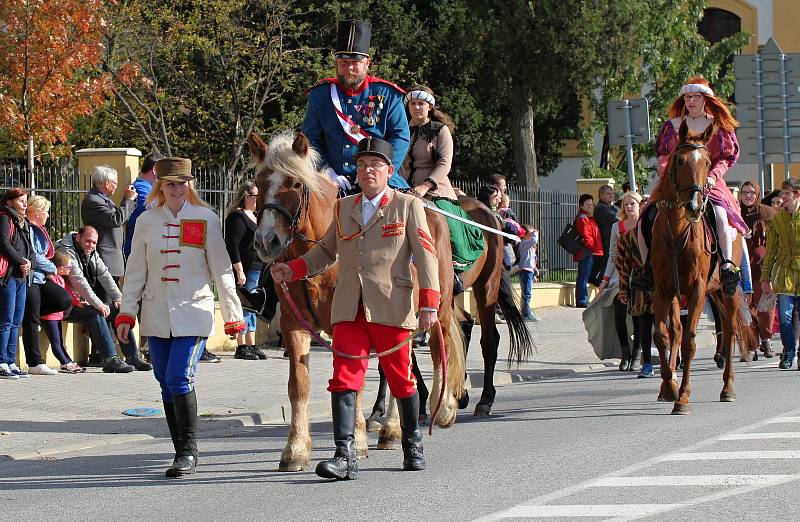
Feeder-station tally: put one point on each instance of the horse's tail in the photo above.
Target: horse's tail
(456, 359)
(742, 333)
(521, 346)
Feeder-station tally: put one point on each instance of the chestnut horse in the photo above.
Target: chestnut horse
(296, 205)
(681, 254)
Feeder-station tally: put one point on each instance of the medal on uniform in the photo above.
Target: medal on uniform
(354, 129)
(372, 121)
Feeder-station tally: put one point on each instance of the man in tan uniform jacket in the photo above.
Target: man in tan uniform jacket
(374, 236)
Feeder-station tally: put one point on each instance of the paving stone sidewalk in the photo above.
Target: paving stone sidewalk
(46, 415)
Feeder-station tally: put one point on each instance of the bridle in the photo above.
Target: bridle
(295, 220)
(691, 188)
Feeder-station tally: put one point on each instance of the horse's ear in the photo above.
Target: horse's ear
(683, 132)
(300, 145)
(257, 147)
(707, 134)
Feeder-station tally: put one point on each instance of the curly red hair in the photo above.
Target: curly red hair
(714, 106)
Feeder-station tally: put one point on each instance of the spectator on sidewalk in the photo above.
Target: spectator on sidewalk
(605, 214)
(44, 295)
(773, 200)
(99, 211)
(51, 323)
(240, 228)
(142, 185)
(90, 279)
(756, 215)
(528, 273)
(629, 216)
(16, 263)
(592, 247)
(499, 181)
(780, 270)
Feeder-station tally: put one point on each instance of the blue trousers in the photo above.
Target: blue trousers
(526, 284)
(250, 284)
(581, 286)
(786, 305)
(175, 363)
(12, 309)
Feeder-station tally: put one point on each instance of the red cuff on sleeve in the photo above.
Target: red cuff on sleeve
(124, 319)
(428, 298)
(299, 269)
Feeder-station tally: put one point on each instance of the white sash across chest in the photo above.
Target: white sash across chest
(351, 129)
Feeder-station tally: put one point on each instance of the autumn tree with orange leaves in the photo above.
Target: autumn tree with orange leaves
(49, 56)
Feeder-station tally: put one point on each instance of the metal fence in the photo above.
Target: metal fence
(547, 211)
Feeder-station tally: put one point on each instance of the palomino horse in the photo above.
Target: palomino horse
(295, 210)
(681, 254)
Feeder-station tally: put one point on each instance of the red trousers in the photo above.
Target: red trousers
(357, 338)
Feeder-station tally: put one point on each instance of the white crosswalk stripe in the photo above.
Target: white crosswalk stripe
(731, 484)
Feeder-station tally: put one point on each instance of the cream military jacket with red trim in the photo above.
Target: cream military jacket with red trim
(374, 260)
(173, 261)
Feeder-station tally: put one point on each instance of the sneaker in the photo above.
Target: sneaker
(139, 364)
(115, 365)
(42, 369)
(16, 371)
(71, 368)
(244, 352)
(5, 373)
(95, 361)
(786, 362)
(646, 371)
(498, 319)
(766, 348)
(531, 318)
(209, 357)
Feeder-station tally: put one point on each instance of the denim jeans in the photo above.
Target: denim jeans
(581, 286)
(526, 284)
(12, 309)
(99, 333)
(250, 284)
(786, 305)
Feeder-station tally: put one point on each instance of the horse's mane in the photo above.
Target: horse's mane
(282, 159)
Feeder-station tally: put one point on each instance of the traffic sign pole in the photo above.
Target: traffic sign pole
(762, 153)
(629, 145)
(787, 153)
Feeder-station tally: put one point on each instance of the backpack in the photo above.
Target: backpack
(570, 240)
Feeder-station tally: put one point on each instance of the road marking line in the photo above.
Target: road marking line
(587, 510)
(693, 480)
(758, 436)
(732, 455)
(782, 420)
(542, 500)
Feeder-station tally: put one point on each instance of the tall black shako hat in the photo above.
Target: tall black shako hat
(371, 146)
(352, 39)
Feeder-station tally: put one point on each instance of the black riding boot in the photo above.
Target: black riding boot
(466, 330)
(262, 300)
(343, 465)
(458, 285)
(413, 459)
(729, 277)
(186, 419)
(172, 422)
(422, 389)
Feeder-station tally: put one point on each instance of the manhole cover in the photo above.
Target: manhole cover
(142, 412)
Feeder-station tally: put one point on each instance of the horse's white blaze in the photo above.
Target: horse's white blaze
(696, 155)
(268, 218)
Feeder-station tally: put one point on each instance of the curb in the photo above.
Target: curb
(216, 424)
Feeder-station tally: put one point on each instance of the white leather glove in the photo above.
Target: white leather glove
(343, 183)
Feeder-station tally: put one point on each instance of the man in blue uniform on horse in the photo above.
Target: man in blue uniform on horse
(343, 110)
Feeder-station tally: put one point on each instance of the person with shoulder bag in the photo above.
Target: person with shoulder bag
(16, 265)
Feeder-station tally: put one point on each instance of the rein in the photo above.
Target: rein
(402, 344)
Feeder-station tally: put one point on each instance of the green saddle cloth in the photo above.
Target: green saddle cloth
(466, 241)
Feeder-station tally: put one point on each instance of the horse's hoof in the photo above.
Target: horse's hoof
(483, 410)
(681, 409)
(661, 398)
(463, 402)
(727, 397)
(292, 466)
(720, 360)
(386, 445)
(373, 426)
(668, 391)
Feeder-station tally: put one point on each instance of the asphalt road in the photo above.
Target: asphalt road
(595, 444)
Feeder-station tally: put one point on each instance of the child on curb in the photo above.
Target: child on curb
(528, 273)
(51, 323)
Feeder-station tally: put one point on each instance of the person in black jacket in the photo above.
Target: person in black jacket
(16, 265)
(605, 214)
(240, 227)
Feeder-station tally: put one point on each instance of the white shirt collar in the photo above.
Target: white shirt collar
(374, 201)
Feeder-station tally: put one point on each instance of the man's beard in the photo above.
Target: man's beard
(351, 81)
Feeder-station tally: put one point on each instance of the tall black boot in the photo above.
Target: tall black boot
(186, 417)
(375, 420)
(458, 285)
(343, 465)
(172, 423)
(422, 389)
(413, 459)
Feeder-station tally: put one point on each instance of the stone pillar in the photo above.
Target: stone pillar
(591, 185)
(124, 160)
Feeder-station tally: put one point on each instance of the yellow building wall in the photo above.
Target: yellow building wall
(785, 23)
